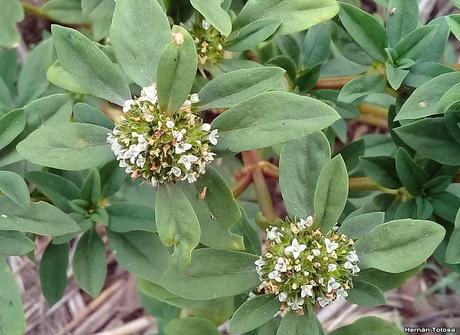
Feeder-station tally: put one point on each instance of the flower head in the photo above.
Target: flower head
(209, 43)
(162, 148)
(302, 266)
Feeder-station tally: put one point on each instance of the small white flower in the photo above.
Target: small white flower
(323, 302)
(176, 171)
(330, 246)
(187, 161)
(332, 285)
(296, 304)
(341, 294)
(282, 297)
(206, 127)
(303, 224)
(213, 137)
(295, 248)
(194, 98)
(281, 265)
(306, 290)
(127, 105)
(149, 93)
(191, 177)
(180, 148)
(209, 156)
(316, 252)
(140, 161)
(170, 124)
(352, 257)
(148, 117)
(298, 268)
(275, 275)
(260, 262)
(273, 234)
(154, 181)
(205, 24)
(356, 269)
(331, 267)
(178, 135)
(310, 257)
(348, 265)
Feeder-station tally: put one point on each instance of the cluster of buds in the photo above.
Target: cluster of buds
(209, 43)
(302, 266)
(162, 148)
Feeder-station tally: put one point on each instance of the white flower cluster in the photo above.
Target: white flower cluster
(303, 266)
(162, 148)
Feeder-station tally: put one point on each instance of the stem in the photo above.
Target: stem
(34, 10)
(334, 83)
(242, 185)
(374, 110)
(263, 194)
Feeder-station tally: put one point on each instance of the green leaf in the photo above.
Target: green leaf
(369, 325)
(10, 15)
(88, 114)
(12, 319)
(293, 324)
(177, 223)
(32, 81)
(250, 232)
(361, 87)
(399, 245)
(11, 125)
(421, 73)
(300, 165)
(217, 311)
(141, 253)
(60, 77)
(14, 243)
(416, 43)
(450, 99)
(431, 139)
(14, 187)
(412, 176)
(125, 217)
(382, 169)
(366, 294)
(71, 146)
(231, 88)
(271, 118)
(213, 274)
(254, 313)
(251, 35)
(395, 76)
(89, 66)
(53, 272)
(39, 218)
(295, 15)
(89, 265)
(68, 11)
(402, 18)
(331, 193)
(356, 226)
(215, 14)
(216, 212)
(453, 247)
(365, 30)
(425, 100)
(317, 44)
(139, 33)
(91, 189)
(454, 25)
(56, 188)
(190, 326)
(386, 281)
(176, 70)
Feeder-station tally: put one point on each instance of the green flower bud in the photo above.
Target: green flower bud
(209, 43)
(162, 148)
(302, 266)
